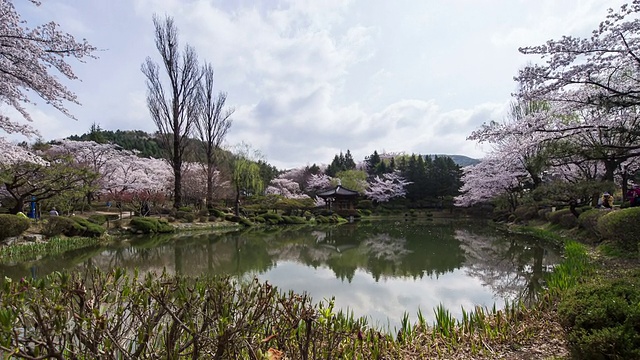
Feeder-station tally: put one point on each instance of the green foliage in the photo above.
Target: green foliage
(342, 162)
(365, 204)
(61, 181)
(564, 218)
(364, 212)
(621, 226)
(563, 193)
(13, 225)
(239, 220)
(71, 226)
(603, 319)
(139, 140)
(85, 227)
(58, 225)
(294, 220)
(24, 252)
(117, 315)
(149, 225)
(567, 274)
(272, 218)
(588, 220)
(217, 213)
(353, 179)
(97, 219)
(526, 212)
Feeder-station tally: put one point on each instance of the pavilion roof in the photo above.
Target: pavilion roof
(338, 190)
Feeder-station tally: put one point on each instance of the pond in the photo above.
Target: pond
(378, 269)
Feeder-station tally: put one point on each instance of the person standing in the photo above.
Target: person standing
(607, 200)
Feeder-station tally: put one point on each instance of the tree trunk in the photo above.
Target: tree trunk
(18, 207)
(237, 208)
(209, 185)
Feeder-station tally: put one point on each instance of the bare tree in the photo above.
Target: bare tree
(212, 124)
(174, 110)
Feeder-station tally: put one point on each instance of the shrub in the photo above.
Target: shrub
(526, 212)
(621, 226)
(588, 220)
(148, 225)
(238, 219)
(217, 213)
(365, 212)
(12, 225)
(564, 218)
(189, 217)
(294, 220)
(97, 219)
(273, 218)
(185, 209)
(58, 225)
(85, 227)
(365, 204)
(603, 319)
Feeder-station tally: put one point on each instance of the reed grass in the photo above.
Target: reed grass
(35, 250)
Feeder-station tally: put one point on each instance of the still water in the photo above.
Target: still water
(377, 269)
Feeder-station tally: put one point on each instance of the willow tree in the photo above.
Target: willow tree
(173, 108)
(246, 175)
(212, 125)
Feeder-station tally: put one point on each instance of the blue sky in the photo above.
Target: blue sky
(311, 78)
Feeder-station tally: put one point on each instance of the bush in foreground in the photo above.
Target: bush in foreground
(12, 225)
(621, 226)
(603, 319)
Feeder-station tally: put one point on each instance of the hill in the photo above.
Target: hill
(461, 160)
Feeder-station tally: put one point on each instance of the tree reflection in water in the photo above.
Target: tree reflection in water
(514, 267)
(511, 266)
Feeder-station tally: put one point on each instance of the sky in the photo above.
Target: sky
(311, 78)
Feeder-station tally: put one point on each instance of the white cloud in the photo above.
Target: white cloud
(311, 78)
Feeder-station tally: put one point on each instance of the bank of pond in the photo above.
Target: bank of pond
(214, 300)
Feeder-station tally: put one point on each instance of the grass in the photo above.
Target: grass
(35, 250)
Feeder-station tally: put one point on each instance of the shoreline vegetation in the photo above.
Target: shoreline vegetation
(93, 315)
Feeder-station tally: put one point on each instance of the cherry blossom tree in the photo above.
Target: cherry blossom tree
(59, 177)
(592, 87)
(490, 178)
(28, 55)
(12, 154)
(286, 188)
(606, 62)
(386, 187)
(134, 180)
(318, 182)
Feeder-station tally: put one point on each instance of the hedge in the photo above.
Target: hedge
(621, 226)
(12, 225)
(149, 225)
(563, 218)
(71, 226)
(588, 220)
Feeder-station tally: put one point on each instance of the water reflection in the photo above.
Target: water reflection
(378, 269)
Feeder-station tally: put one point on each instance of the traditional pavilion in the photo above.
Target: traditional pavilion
(340, 199)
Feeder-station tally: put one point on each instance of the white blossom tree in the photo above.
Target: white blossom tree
(286, 188)
(386, 187)
(27, 57)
